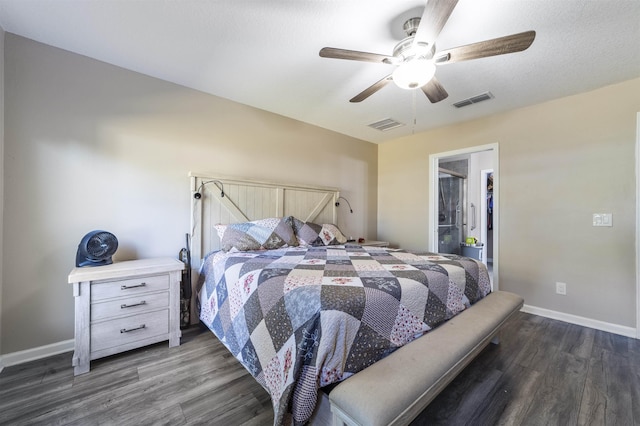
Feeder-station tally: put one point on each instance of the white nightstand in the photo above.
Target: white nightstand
(123, 306)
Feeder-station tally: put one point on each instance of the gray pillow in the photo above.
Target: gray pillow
(314, 234)
(260, 234)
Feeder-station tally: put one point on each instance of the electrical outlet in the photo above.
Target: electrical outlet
(561, 288)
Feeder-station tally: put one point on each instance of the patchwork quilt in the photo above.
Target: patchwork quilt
(301, 318)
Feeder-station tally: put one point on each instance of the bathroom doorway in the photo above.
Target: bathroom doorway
(452, 212)
(474, 215)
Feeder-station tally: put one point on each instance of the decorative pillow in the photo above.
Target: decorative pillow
(260, 234)
(220, 228)
(309, 233)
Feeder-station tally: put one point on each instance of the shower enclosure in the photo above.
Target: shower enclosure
(451, 211)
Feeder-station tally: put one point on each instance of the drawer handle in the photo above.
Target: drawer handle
(144, 302)
(127, 287)
(126, 330)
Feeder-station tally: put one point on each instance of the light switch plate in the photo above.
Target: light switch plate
(602, 219)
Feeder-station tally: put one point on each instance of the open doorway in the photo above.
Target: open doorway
(486, 214)
(452, 196)
(463, 190)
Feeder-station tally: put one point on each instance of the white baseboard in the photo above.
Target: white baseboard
(33, 354)
(585, 322)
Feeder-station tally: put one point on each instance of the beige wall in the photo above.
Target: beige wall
(560, 162)
(92, 146)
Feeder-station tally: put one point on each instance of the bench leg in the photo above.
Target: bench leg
(340, 418)
(337, 420)
(496, 339)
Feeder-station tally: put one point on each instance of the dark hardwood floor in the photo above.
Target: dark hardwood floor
(544, 372)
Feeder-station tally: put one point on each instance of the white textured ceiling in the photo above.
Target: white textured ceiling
(264, 53)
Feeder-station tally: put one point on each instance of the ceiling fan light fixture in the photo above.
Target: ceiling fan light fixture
(414, 73)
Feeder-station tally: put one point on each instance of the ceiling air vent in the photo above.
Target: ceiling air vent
(386, 124)
(474, 99)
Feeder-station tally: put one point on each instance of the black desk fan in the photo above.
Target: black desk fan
(96, 249)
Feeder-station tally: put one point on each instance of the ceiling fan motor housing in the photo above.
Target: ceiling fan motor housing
(411, 26)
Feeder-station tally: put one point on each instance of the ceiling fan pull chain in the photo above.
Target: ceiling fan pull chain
(413, 131)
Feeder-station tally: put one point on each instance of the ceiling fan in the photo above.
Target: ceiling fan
(416, 57)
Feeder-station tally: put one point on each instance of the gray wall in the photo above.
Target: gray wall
(92, 146)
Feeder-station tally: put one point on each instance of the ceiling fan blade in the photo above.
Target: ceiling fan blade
(354, 55)
(435, 16)
(371, 89)
(434, 91)
(497, 46)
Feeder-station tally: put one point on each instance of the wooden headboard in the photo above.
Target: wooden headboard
(245, 200)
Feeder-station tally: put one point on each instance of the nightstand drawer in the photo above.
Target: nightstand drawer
(129, 305)
(121, 331)
(131, 287)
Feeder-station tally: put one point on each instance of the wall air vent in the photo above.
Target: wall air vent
(474, 99)
(386, 124)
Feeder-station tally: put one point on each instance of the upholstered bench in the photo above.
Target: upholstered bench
(394, 390)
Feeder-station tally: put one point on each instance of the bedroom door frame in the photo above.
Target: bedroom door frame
(434, 160)
(638, 225)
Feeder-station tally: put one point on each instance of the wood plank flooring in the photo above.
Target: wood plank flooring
(544, 372)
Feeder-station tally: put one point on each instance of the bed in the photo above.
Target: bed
(304, 310)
